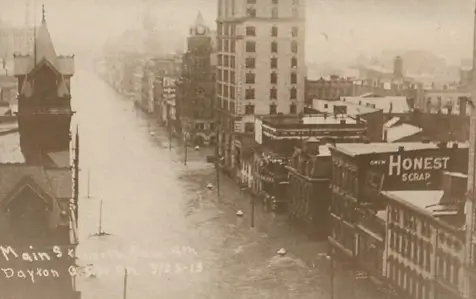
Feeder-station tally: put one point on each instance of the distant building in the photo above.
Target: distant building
(373, 117)
(327, 89)
(444, 101)
(196, 90)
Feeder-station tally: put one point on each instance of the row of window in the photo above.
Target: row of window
(250, 109)
(342, 208)
(408, 280)
(409, 222)
(251, 31)
(343, 234)
(226, 76)
(448, 267)
(226, 45)
(226, 91)
(251, 47)
(295, 2)
(250, 78)
(250, 62)
(410, 247)
(273, 94)
(345, 178)
(251, 12)
(226, 61)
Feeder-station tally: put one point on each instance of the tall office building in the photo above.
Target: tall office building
(260, 67)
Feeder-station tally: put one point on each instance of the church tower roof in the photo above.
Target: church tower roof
(44, 48)
(199, 21)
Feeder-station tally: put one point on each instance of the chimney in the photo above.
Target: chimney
(454, 145)
(401, 149)
(342, 121)
(441, 144)
(425, 140)
(357, 118)
(454, 187)
(385, 134)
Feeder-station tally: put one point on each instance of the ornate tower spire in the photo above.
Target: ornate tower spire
(43, 14)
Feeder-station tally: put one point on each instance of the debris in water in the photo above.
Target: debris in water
(282, 252)
(239, 213)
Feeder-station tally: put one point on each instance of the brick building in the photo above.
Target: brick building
(362, 171)
(425, 240)
(309, 194)
(196, 91)
(276, 138)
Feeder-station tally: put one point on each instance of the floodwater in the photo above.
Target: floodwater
(176, 238)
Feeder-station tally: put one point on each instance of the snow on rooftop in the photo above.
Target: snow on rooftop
(427, 200)
(401, 131)
(10, 150)
(318, 119)
(389, 104)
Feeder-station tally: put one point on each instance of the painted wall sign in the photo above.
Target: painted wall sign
(417, 169)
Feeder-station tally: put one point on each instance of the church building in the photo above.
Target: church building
(39, 179)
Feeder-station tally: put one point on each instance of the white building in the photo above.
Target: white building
(261, 67)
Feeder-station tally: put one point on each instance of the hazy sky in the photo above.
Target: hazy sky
(353, 26)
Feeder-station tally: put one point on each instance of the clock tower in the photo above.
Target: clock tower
(197, 87)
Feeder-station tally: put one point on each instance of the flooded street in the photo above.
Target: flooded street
(176, 238)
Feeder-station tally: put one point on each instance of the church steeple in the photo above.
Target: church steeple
(44, 96)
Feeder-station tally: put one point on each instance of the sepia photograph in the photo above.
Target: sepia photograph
(237, 149)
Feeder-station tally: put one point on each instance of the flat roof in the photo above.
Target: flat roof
(311, 119)
(427, 201)
(355, 149)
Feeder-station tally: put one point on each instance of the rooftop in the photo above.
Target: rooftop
(401, 131)
(312, 119)
(356, 149)
(427, 201)
(352, 108)
(387, 104)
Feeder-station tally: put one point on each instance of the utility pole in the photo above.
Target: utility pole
(217, 158)
(76, 176)
(185, 139)
(124, 296)
(89, 182)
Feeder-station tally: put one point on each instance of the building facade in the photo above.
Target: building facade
(308, 192)
(328, 89)
(362, 171)
(39, 188)
(196, 91)
(425, 240)
(277, 137)
(260, 67)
